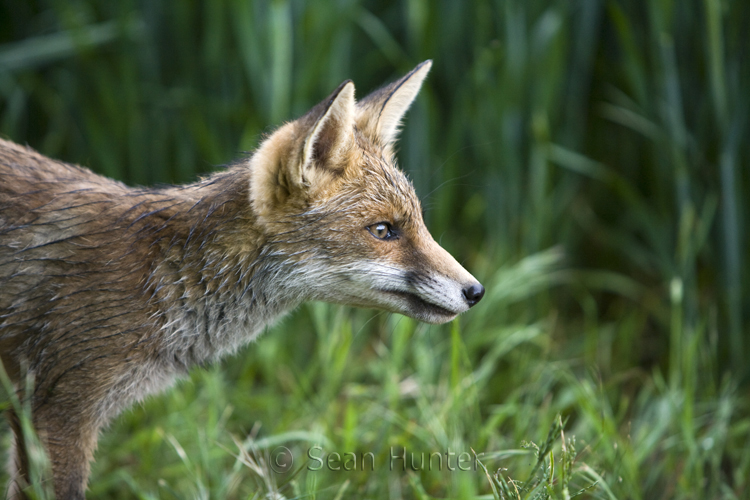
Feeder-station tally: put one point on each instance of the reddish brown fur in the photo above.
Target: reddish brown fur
(80, 292)
(107, 293)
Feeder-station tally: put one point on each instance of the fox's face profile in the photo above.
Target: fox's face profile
(334, 203)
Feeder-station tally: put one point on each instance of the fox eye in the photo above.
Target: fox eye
(382, 231)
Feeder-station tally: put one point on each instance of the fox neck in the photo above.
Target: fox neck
(219, 281)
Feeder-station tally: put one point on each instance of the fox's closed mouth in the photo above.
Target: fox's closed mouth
(418, 304)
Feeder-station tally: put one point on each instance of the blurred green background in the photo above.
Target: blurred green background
(586, 159)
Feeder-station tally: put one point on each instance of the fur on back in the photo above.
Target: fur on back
(161, 261)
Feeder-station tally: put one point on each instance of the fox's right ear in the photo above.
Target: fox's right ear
(303, 157)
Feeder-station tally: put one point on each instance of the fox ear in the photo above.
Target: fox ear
(303, 156)
(380, 113)
(328, 130)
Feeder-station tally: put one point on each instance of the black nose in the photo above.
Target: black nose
(473, 293)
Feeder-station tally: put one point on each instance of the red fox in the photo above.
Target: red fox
(109, 293)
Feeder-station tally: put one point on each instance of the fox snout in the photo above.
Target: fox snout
(442, 283)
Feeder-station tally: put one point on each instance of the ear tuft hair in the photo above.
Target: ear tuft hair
(332, 132)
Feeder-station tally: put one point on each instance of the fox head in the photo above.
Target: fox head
(343, 221)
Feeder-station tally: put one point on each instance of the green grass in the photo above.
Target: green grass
(583, 158)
